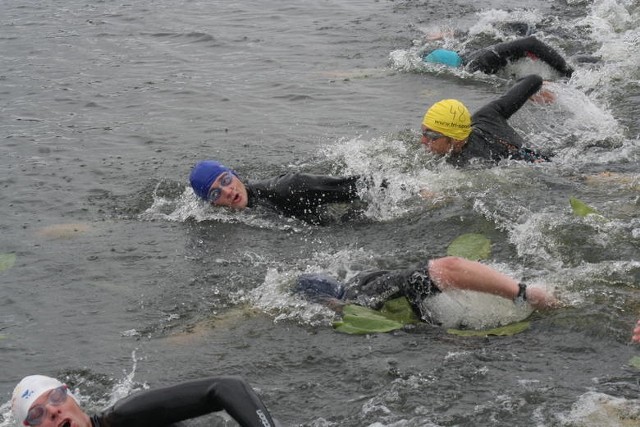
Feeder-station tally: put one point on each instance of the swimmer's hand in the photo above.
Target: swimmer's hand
(544, 96)
(440, 35)
(427, 194)
(436, 199)
(541, 299)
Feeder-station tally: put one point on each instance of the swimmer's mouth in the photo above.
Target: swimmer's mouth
(66, 423)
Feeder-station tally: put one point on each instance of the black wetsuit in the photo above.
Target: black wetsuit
(373, 289)
(493, 58)
(170, 405)
(492, 138)
(302, 195)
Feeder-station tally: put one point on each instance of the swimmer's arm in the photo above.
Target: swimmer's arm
(459, 273)
(169, 405)
(517, 95)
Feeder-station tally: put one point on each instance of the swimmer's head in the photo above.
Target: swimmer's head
(218, 185)
(443, 56)
(449, 117)
(31, 398)
(203, 174)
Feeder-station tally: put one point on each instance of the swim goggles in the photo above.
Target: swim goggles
(431, 134)
(215, 193)
(36, 413)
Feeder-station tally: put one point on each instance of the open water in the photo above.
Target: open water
(115, 278)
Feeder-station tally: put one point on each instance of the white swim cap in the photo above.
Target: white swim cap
(28, 391)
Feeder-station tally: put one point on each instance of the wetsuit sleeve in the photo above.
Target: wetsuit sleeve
(302, 194)
(319, 189)
(517, 49)
(169, 405)
(496, 57)
(528, 155)
(516, 97)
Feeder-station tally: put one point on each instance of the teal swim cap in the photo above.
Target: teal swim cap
(443, 56)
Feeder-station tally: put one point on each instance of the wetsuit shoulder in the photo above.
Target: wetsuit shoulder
(301, 194)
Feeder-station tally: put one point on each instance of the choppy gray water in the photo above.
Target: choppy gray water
(122, 279)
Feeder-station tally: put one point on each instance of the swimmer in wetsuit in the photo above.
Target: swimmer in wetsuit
(43, 401)
(294, 194)
(449, 129)
(494, 58)
(373, 289)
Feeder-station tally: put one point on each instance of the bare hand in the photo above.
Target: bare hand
(539, 298)
(543, 96)
(427, 194)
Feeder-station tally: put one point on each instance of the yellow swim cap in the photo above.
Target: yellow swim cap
(449, 117)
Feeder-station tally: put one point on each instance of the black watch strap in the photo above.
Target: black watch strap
(522, 293)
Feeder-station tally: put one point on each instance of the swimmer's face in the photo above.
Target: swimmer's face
(57, 412)
(436, 142)
(227, 190)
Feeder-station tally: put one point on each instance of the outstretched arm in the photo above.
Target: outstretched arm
(169, 405)
(459, 273)
(531, 46)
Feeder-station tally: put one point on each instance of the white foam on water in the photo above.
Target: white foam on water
(599, 409)
(6, 417)
(274, 295)
(615, 24)
(126, 385)
(405, 169)
(378, 405)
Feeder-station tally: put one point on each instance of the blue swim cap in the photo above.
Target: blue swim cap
(203, 174)
(443, 56)
(316, 287)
